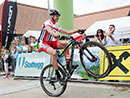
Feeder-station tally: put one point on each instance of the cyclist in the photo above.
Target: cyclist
(45, 40)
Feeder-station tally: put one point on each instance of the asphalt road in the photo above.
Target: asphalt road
(10, 88)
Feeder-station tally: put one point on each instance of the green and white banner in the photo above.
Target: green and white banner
(31, 64)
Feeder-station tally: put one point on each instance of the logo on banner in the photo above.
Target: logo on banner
(118, 62)
(9, 18)
(25, 62)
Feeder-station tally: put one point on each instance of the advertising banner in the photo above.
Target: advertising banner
(80, 73)
(120, 63)
(31, 64)
(8, 19)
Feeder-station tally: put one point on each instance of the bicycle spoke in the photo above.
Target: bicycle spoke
(92, 60)
(49, 81)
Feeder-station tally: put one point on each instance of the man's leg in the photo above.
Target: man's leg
(63, 44)
(53, 53)
(46, 48)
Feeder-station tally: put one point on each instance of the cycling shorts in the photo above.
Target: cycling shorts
(45, 45)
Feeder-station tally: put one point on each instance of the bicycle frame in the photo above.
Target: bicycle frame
(73, 43)
(71, 59)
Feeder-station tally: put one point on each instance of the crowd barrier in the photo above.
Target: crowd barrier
(31, 64)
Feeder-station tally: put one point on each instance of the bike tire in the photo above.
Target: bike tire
(48, 76)
(90, 68)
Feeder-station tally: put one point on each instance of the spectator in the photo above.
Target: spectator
(126, 41)
(2, 56)
(19, 50)
(12, 54)
(100, 37)
(6, 63)
(25, 47)
(34, 45)
(112, 38)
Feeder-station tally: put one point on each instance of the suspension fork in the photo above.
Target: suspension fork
(93, 57)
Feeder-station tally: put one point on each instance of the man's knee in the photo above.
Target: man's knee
(63, 44)
(66, 44)
(54, 54)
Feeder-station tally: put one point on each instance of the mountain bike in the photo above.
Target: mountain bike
(48, 79)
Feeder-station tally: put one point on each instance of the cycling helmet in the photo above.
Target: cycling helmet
(55, 12)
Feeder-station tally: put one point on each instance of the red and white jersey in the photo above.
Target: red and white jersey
(45, 36)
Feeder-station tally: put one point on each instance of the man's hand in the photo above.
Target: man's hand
(57, 36)
(30, 45)
(110, 35)
(81, 31)
(15, 47)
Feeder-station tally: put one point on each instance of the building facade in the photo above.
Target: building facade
(32, 18)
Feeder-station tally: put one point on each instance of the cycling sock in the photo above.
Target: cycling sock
(58, 74)
(67, 66)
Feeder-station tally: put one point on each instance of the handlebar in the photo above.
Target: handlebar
(80, 31)
(66, 37)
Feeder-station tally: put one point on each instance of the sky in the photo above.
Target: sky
(81, 6)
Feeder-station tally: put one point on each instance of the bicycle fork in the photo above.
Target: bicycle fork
(92, 59)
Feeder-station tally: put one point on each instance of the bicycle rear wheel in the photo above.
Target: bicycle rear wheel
(49, 82)
(95, 59)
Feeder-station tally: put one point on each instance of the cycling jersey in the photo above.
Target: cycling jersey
(45, 36)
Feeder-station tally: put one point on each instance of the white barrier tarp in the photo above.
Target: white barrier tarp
(36, 34)
(122, 26)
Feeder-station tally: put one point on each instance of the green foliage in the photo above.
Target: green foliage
(95, 69)
(85, 75)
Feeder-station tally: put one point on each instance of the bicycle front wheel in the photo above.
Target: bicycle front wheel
(95, 59)
(49, 82)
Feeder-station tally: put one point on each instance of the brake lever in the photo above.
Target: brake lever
(62, 38)
(81, 31)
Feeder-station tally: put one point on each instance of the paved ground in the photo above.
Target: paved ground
(10, 88)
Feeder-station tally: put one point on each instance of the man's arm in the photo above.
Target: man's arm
(68, 32)
(52, 32)
(110, 35)
(18, 50)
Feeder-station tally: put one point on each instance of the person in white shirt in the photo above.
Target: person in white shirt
(112, 38)
(25, 47)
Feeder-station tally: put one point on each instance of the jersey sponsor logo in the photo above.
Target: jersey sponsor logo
(43, 46)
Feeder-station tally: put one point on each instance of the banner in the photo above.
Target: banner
(80, 73)
(9, 14)
(120, 63)
(31, 64)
